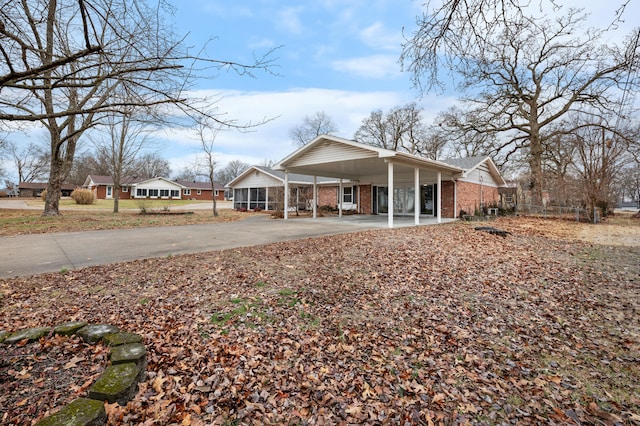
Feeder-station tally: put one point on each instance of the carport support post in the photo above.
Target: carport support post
(439, 197)
(315, 196)
(286, 195)
(390, 194)
(340, 199)
(416, 195)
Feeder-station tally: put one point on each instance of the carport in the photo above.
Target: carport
(346, 160)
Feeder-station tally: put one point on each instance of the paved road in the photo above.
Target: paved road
(35, 254)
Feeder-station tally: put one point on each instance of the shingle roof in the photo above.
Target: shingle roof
(467, 163)
(294, 177)
(199, 185)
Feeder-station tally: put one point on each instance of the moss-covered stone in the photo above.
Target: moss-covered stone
(122, 338)
(118, 383)
(132, 352)
(30, 334)
(81, 412)
(3, 335)
(69, 328)
(93, 333)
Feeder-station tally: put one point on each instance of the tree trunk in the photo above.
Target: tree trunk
(116, 198)
(54, 188)
(535, 158)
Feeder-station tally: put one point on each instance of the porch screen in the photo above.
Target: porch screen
(240, 198)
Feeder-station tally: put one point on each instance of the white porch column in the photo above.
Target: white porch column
(390, 194)
(340, 199)
(248, 199)
(416, 195)
(286, 195)
(439, 197)
(315, 196)
(266, 198)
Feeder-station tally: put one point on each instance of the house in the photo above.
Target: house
(34, 189)
(262, 188)
(159, 187)
(375, 180)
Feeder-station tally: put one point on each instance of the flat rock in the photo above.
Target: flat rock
(93, 333)
(3, 335)
(132, 352)
(30, 334)
(81, 412)
(118, 383)
(122, 338)
(69, 328)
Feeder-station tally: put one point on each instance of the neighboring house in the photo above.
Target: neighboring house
(34, 189)
(262, 188)
(383, 181)
(155, 188)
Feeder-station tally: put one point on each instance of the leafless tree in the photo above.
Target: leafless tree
(150, 165)
(523, 69)
(207, 133)
(30, 161)
(311, 127)
(121, 141)
(231, 171)
(400, 129)
(51, 75)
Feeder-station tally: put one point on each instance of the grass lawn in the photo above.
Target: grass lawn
(426, 325)
(100, 216)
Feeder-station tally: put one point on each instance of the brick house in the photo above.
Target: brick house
(155, 188)
(34, 189)
(361, 177)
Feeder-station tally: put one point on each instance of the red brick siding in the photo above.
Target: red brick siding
(470, 196)
(205, 194)
(446, 193)
(327, 196)
(365, 199)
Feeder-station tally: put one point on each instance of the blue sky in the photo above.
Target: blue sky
(336, 56)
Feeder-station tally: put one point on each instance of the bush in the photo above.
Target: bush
(43, 195)
(83, 196)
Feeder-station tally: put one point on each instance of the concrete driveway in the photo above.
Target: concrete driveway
(40, 253)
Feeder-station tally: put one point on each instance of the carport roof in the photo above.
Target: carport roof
(336, 157)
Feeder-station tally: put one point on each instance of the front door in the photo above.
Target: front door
(428, 200)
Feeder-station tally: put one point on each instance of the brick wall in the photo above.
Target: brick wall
(470, 196)
(446, 193)
(365, 199)
(327, 196)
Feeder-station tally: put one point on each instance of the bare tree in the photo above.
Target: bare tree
(523, 71)
(150, 165)
(124, 139)
(65, 82)
(400, 129)
(207, 133)
(231, 171)
(31, 161)
(311, 127)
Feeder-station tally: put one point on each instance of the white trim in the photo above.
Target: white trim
(390, 197)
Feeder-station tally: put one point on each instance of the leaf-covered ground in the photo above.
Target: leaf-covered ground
(428, 325)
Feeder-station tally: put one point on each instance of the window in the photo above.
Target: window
(199, 191)
(240, 197)
(186, 191)
(109, 191)
(141, 192)
(175, 193)
(164, 192)
(153, 193)
(347, 194)
(125, 189)
(215, 192)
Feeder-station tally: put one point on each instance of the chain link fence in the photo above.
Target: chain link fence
(579, 214)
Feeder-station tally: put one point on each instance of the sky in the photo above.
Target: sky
(340, 57)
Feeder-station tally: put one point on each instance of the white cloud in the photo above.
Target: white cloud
(271, 141)
(379, 37)
(374, 66)
(289, 20)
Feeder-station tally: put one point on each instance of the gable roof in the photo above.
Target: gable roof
(342, 158)
(294, 178)
(469, 164)
(199, 185)
(43, 185)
